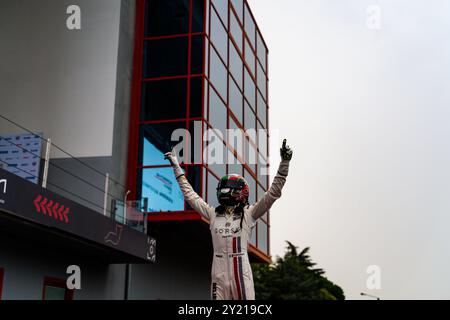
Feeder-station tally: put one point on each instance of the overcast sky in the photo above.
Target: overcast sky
(367, 113)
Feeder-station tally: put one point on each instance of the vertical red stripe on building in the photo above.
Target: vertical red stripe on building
(133, 139)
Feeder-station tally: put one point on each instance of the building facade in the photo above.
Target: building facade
(199, 65)
(112, 94)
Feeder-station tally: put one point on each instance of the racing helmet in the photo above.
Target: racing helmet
(232, 190)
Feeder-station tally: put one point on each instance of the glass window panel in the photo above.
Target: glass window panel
(206, 98)
(206, 55)
(262, 139)
(219, 36)
(262, 111)
(222, 8)
(262, 81)
(197, 15)
(249, 57)
(166, 17)
(238, 6)
(251, 157)
(164, 99)
(236, 138)
(252, 185)
(217, 113)
(236, 31)
(197, 55)
(165, 57)
(236, 65)
(196, 97)
(217, 163)
(218, 74)
(249, 117)
(249, 25)
(236, 100)
(156, 140)
(160, 187)
(212, 190)
(262, 51)
(234, 165)
(262, 236)
(249, 89)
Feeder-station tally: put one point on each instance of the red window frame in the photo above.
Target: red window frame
(58, 283)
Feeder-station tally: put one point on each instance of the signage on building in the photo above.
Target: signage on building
(28, 201)
(20, 154)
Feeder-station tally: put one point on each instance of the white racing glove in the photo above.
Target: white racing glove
(175, 164)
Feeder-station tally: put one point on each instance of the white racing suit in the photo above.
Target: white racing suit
(231, 272)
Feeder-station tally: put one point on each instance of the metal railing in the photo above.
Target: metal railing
(67, 175)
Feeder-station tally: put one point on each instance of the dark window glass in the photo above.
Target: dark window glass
(236, 65)
(212, 190)
(194, 178)
(249, 26)
(222, 8)
(262, 111)
(160, 187)
(249, 89)
(219, 36)
(165, 99)
(217, 113)
(262, 51)
(156, 140)
(262, 236)
(218, 74)
(236, 31)
(238, 6)
(236, 100)
(197, 55)
(196, 97)
(197, 15)
(166, 17)
(249, 57)
(165, 57)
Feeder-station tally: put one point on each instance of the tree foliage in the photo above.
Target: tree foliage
(294, 277)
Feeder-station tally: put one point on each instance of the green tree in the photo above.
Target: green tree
(294, 277)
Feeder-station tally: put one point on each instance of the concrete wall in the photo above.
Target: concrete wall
(60, 81)
(74, 86)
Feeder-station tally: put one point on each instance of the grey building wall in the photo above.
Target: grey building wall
(75, 87)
